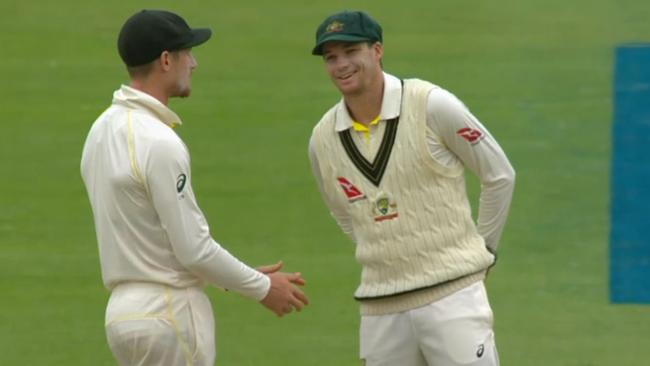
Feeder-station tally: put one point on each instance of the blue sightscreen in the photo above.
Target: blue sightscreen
(630, 205)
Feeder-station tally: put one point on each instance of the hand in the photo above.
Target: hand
(272, 268)
(283, 296)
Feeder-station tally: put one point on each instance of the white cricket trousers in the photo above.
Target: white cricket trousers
(453, 331)
(152, 324)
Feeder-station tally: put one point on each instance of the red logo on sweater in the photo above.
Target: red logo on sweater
(472, 136)
(353, 193)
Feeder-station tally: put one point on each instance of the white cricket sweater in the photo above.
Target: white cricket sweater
(416, 240)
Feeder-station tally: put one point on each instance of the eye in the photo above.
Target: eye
(351, 50)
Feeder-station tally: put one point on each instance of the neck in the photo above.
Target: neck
(366, 106)
(152, 88)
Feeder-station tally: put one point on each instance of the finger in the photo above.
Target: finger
(296, 279)
(296, 303)
(300, 296)
(280, 311)
(272, 268)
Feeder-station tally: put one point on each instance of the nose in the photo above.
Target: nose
(342, 63)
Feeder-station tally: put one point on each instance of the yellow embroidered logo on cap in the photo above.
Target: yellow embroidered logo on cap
(335, 26)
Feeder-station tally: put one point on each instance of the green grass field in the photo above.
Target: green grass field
(537, 74)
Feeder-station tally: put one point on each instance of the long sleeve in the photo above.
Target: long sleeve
(456, 134)
(169, 184)
(339, 213)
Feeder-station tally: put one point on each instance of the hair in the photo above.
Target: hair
(372, 43)
(142, 71)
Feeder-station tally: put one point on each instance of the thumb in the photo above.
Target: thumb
(272, 268)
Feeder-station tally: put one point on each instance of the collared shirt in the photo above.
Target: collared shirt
(149, 226)
(453, 135)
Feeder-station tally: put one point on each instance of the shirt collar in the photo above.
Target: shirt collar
(390, 104)
(133, 98)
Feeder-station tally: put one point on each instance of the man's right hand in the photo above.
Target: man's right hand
(284, 296)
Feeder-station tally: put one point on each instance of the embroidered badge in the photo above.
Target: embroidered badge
(384, 207)
(335, 26)
(351, 192)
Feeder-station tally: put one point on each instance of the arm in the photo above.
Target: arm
(339, 213)
(192, 244)
(468, 140)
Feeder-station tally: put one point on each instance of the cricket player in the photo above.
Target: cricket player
(155, 247)
(389, 160)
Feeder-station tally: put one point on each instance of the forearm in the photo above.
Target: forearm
(494, 205)
(221, 269)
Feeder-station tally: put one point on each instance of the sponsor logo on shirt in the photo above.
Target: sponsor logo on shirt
(473, 136)
(479, 352)
(351, 192)
(180, 182)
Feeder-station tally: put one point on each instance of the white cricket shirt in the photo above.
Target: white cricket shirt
(149, 226)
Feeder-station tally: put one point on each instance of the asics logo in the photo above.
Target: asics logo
(479, 352)
(180, 182)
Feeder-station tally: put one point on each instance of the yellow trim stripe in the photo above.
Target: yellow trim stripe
(172, 319)
(138, 316)
(131, 144)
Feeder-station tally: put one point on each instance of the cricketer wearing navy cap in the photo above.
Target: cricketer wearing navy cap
(155, 247)
(146, 34)
(389, 159)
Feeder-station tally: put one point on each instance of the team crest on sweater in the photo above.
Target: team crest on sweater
(351, 191)
(384, 207)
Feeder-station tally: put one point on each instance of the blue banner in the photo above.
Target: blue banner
(630, 188)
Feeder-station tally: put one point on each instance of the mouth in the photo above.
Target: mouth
(345, 76)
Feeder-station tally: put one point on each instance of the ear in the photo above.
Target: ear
(379, 50)
(165, 60)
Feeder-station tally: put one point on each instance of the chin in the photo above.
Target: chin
(349, 89)
(184, 93)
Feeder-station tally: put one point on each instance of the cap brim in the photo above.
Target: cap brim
(318, 50)
(199, 36)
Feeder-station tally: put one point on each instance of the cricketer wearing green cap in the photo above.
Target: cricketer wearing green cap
(348, 26)
(389, 159)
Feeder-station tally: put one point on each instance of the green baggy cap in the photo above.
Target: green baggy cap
(347, 26)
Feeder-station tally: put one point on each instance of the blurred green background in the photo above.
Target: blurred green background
(537, 74)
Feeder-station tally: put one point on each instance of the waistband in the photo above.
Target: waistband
(152, 288)
(416, 299)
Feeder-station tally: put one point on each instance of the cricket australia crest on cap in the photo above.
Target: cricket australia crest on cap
(351, 192)
(384, 207)
(334, 26)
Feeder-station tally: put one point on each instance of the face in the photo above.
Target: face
(182, 63)
(354, 68)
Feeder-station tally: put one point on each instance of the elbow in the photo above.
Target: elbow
(505, 181)
(510, 177)
(509, 180)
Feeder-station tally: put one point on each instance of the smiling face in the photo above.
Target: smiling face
(354, 68)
